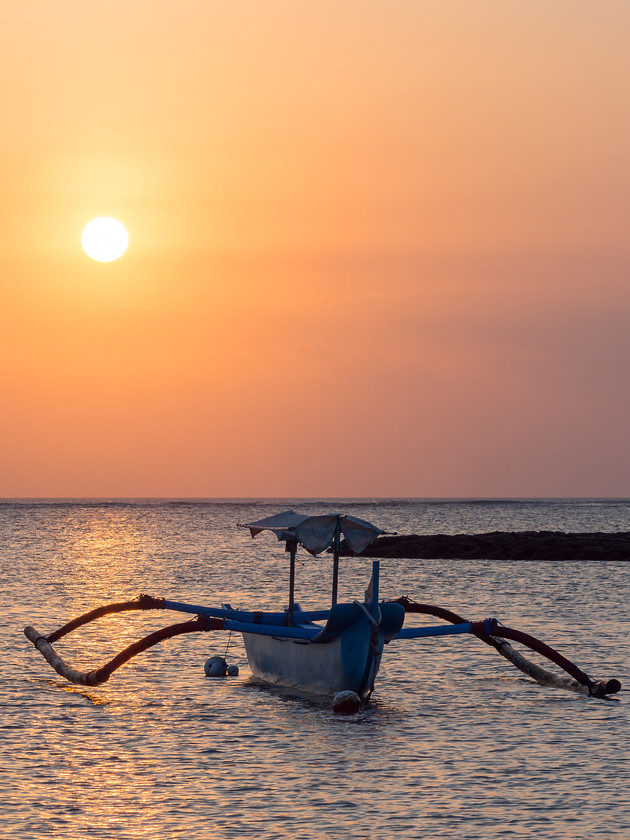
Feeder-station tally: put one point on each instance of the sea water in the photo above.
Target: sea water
(455, 743)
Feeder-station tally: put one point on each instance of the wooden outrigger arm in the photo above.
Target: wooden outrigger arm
(495, 635)
(101, 675)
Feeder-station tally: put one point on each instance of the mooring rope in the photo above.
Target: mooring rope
(227, 644)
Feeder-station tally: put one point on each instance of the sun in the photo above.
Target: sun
(105, 239)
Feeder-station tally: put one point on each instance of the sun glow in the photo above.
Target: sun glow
(105, 239)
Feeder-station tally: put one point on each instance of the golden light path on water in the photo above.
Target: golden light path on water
(455, 743)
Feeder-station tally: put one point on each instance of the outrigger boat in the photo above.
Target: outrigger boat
(333, 652)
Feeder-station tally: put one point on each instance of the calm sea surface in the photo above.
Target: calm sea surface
(456, 743)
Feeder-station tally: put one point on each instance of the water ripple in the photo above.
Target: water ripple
(455, 743)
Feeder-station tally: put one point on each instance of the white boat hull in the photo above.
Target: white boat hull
(339, 659)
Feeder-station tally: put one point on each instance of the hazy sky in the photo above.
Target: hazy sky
(376, 248)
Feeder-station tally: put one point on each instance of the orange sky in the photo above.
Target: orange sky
(376, 249)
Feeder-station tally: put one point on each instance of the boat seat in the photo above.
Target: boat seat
(343, 615)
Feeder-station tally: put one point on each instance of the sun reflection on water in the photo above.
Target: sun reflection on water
(455, 742)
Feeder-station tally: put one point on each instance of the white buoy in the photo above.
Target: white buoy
(346, 703)
(216, 666)
(232, 671)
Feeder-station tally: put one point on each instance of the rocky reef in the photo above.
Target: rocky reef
(504, 545)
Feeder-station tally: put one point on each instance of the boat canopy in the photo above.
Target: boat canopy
(317, 533)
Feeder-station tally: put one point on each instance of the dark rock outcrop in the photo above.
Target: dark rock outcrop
(503, 545)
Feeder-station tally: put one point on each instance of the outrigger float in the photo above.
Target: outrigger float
(333, 652)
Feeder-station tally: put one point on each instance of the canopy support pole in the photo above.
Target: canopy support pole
(292, 548)
(335, 579)
(375, 583)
